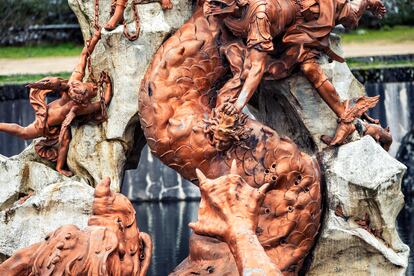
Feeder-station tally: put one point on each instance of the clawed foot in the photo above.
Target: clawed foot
(65, 172)
(166, 4)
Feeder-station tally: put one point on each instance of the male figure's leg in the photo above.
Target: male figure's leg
(118, 15)
(314, 73)
(63, 153)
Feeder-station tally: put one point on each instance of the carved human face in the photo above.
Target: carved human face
(219, 7)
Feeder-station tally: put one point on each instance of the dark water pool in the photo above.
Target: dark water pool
(406, 230)
(167, 223)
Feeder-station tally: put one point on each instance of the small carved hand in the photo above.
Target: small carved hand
(65, 124)
(228, 108)
(228, 206)
(377, 8)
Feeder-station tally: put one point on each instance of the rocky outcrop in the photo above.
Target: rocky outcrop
(98, 151)
(363, 196)
(35, 200)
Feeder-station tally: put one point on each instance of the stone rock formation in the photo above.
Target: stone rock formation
(363, 200)
(35, 200)
(97, 151)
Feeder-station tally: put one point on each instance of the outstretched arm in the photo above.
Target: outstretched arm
(254, 77)
(79, 71)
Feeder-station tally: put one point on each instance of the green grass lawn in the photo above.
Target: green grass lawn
(59, 50)
(397, 34)
(392, 35)
(21, 79)
(353, 64)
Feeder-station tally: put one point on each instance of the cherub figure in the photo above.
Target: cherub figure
(279, 36)
(53, 120)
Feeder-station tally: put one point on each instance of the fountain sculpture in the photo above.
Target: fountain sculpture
(261, 195)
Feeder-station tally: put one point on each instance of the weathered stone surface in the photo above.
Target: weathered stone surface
(363, 192)
(98, 151)
(35, 200)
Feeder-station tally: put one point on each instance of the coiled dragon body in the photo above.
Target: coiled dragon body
(176, 99)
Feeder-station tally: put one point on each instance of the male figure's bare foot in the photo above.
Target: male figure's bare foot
(65, 172)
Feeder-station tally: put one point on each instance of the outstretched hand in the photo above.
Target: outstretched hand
(228, 205)
(377, 8)
(229, 107)
(65, 124)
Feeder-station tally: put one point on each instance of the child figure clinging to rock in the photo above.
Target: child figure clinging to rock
(53, 120)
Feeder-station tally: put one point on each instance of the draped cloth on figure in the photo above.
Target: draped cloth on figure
(46, 148)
